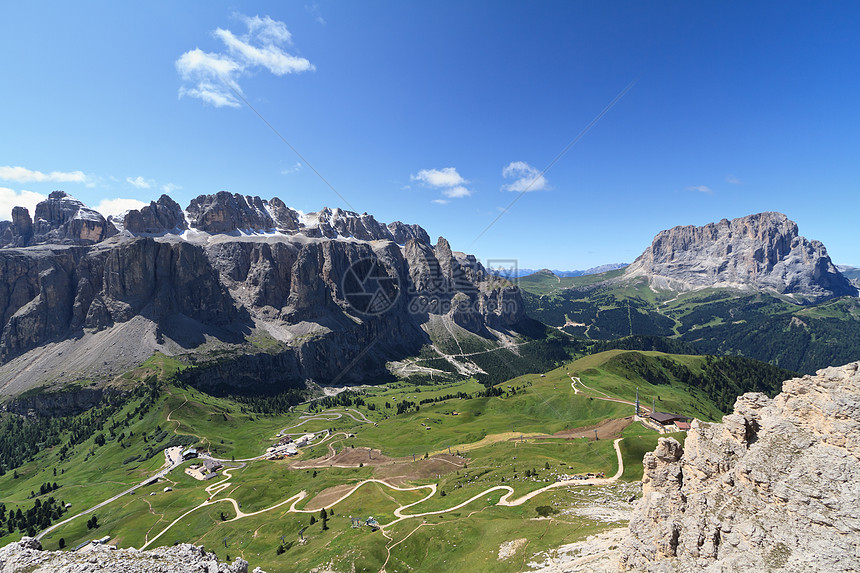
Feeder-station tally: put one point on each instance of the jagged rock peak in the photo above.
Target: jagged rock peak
(19, 233)
(774, 487)
(27, 555)
(224, 213)
(62, 219)
(160, 216)
(59, 219)
(401, 232)
(333, 223)
(762, 251)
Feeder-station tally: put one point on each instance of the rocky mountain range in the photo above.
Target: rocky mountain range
(327, 296)
(771, 488)
(762, 251)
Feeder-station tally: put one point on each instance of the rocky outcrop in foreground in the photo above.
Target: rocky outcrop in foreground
(27, 556)
(762, 251)
(774, 487)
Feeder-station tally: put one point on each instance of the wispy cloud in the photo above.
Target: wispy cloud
(733, 180)
(10, 198)
(118, 206)
(456, 192)
(447, 180)
(293, 169)
(213, 77)
(527, 178)
(24, 175)
(314, 11)
(140, 182)
(445, 177)
(701, 189)
(170, 188)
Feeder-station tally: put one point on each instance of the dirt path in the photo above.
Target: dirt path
(606, 396)
(399, 514)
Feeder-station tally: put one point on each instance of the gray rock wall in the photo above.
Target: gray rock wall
(774, 487)
(762, 251)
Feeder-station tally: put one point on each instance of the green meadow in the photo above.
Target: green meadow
(510, 436)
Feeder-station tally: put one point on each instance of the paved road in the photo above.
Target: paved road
(157, 476)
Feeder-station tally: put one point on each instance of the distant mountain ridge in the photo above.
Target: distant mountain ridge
(517, 272)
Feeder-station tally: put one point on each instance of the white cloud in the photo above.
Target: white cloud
(700, 189)
(269, 56)
(456, 192)
(24, 175)
(446, 177)
(451, 183)
(733, 180)
(10, 198)
(528, 178)
(117, 206)
(140, 182)
(170, 188)
(215, 76)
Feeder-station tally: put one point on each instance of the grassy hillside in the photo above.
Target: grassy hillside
(520, 434)
(716, 321)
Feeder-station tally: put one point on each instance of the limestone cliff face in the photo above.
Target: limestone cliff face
(762, 251)
(50, 292)
(338, 291)
(62, 219)
(774, 487)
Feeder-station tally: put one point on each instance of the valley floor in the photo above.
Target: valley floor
(455, 478)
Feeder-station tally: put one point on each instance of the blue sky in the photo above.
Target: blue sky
(441, 113)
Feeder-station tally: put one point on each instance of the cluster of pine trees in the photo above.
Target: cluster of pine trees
(343, 399)
(35, 519)
(272, 405)
(22, 438)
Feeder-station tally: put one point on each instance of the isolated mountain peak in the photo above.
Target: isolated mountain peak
(760, 251)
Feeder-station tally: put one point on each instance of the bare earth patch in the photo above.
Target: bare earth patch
(509, 548)
(346, 458)
(326, 497)
(596, 554)
(405, 469)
